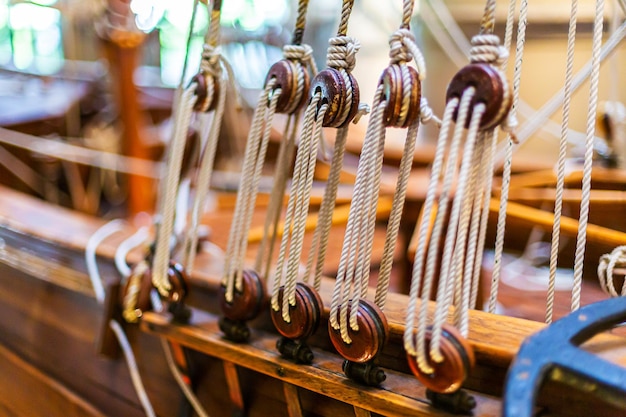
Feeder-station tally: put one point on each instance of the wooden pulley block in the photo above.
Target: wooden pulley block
(179, 281)
(286, 74)
(142, 302)
(394, 84)
(492, 89)
(449, 375)
(248, 302)
(369, 340)
(332, 86)
(204, 103)
(305, 314)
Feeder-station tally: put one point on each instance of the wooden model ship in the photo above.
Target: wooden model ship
(296, 301)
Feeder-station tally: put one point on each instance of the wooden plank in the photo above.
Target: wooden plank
(28, 391)
(569, 226)
(292, 398)
(323, 377)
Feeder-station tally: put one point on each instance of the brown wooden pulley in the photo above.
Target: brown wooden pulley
(204, 103)
(332, 86)
(286, 74)
(142, 302)
(394, 84)
(305, 314)
(492, 89)
(248, 302)
(369, 340)
(449, 375)
(179, 281)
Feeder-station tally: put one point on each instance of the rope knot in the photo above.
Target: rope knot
(342, 52)
(486, 49)
(402, 48)
(398, 50)
(211, 57)
(298, 52)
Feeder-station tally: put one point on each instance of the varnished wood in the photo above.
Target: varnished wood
(324, 377)
(569, 226)
(56, 239)
(293, 400)
(26, 391)
(234, 386)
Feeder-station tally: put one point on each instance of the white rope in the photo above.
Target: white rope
(324, 220)
(506, 175)
(446, 279)
(491, 138)
(410, 343)
(178, 377)
(464, 264)
(233, 261)
(94, 276)
(606, 269)
(298, 197)
(393, 227)
(140, 237)
(345, 292)
(560, 176)
(114, 226)
(277, 196)
(581, 239)
(541, 116)
(167, 211)
(132, 368)
(205, 171)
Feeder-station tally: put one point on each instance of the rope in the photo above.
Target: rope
(506, 175)
(254, 158)
(94, 276)
(286, 265)
(406, 163)
(177, 147)
(277, 197)
(346, 294)
(492, 138)
(560, 177)
(489, 17)
(178, 377)
(418, 264)
(322, 230)
(114, 226)
(606, 269)
(140, 237)
(446, 280)
(583, 219)
(205, 171)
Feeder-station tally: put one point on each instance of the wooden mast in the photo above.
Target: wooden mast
(122, 42)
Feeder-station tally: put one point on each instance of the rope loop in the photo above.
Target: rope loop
(342, 52)
(486, 49)
(403, 48)
(301, 52)
(211, 59)
(426, 113)
(608, 262)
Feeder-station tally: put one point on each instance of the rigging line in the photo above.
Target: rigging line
(429, 203)
(94, 241)
(189, 394)
(488, 22)
(506, 175)
(457, 221)
(349, 247)
(167, 211)
(204, 179)
(552, 105)
(433, 245)
(560, 182)
(583, 219)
